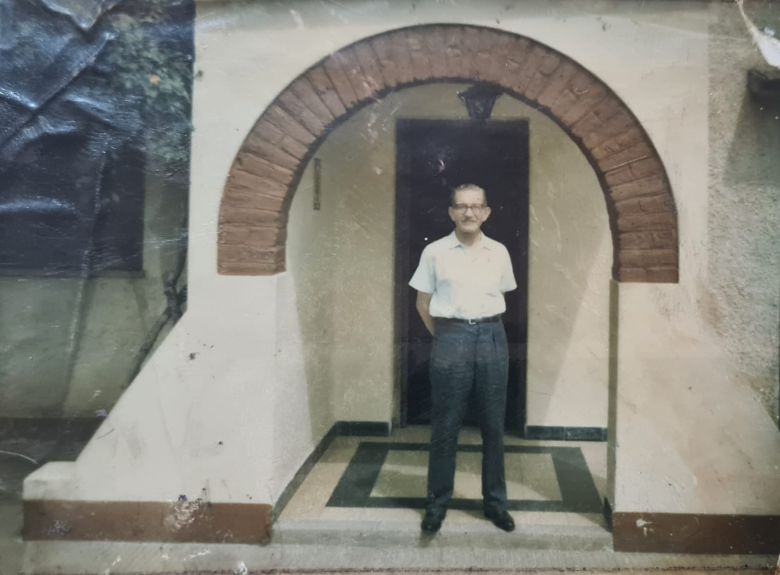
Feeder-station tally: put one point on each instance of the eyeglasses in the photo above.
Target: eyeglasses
(463, 208)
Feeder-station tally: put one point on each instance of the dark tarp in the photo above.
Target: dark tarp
(72, 145)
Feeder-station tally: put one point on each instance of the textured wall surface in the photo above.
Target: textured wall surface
(740, 298)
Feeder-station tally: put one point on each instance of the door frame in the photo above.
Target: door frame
(402, 299)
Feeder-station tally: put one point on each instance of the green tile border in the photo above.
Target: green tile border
(543, 432)
(578, 491)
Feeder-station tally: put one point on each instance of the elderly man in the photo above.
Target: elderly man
(460, 283)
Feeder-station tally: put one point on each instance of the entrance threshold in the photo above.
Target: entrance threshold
(372, 489)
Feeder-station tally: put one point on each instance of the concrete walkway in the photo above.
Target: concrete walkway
(378, 546)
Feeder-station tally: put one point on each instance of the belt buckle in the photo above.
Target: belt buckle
(472, 321)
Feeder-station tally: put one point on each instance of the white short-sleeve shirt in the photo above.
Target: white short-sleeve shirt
(466, 282)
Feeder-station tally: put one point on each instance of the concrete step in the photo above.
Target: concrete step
(47, 557)
(481, 534)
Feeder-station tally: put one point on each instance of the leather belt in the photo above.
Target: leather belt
(490, 319)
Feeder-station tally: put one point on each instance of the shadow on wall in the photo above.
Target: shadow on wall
(752, 152)
(569, 291)
(569, 273)
(303, 406)
(744, 260)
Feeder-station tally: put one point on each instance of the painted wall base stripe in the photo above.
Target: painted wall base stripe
(558, 433)
(365, 428)
(180, 522)
(692, 533)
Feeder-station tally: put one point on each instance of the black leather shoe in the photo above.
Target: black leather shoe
(431, 523)
(501, 519)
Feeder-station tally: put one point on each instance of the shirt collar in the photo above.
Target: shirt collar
(484, 241)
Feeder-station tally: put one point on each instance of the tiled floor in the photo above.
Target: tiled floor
(383, 479)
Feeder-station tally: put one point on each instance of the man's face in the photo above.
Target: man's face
(469, 211)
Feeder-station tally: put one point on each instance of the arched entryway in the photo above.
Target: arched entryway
(264, 174)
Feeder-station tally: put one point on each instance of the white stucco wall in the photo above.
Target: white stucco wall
(193, 423)
(162, 438)
(570, 259)
(341, 259)
(692, 435)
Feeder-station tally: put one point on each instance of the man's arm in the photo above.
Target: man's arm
(423, 308)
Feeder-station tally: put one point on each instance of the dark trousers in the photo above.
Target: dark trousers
(467, 358)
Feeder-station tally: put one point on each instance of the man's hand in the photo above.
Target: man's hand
(423, 308)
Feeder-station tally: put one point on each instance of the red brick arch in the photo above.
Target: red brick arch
(265, 172)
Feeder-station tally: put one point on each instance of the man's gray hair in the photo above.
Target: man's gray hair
(463, 188)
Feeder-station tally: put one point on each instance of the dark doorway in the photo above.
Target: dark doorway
(432, 157)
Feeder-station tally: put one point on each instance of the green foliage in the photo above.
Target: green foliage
(144, 64)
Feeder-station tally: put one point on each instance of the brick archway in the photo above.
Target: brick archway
(265, 172)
